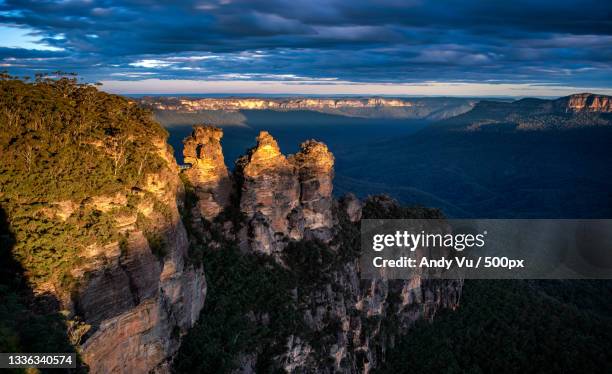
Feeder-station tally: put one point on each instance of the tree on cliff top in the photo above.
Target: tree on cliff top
(62, 142)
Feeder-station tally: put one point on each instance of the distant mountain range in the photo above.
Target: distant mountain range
(574, 111)
(578, 110)
(370, 107)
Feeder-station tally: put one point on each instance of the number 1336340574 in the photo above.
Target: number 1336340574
(37, 360)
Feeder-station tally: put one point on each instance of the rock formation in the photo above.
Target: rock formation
(285, 197)
(315, 166)
(352, 206)
(208, 173)
(288, 200)
(269, 192)
(415, 108)
(132, 305)
(294, 104)
(530, 114)
(586, 102)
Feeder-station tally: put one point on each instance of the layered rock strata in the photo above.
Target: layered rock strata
(132, 305)
(285, 197)
(586, 102)
(261, 104)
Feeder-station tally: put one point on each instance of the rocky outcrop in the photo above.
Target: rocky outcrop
(269, 193)
(347, 323)
(587, 102)
(360, 320)
(285, 197)
(315, 168)
(351, 206)
(208, 173)
(135, 298)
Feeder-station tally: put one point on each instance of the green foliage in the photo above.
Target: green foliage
(244, 291)
(309, 261)
(385, 207)
(62, 141)
(26, 322)
(347, 240)
(24, 330)
(48, 248)
(157, 243)
(513, 327)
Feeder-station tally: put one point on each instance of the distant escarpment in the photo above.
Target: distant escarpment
(222, 111)
(285, 291)
(92, 194)
(569, 112)
(585, 102)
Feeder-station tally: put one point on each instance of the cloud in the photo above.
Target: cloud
(151, 63)
(562, 42)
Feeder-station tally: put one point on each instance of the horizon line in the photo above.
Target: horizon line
(177, 87)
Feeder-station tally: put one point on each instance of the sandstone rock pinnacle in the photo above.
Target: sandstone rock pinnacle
(315, 166)
(285, 197)
(269, 188)
(208, 173)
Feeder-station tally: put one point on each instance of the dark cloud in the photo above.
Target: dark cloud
(558, 42)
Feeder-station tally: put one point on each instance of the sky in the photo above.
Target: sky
(382, 47)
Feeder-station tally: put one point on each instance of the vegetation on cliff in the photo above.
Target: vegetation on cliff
(61, 143)
(254, 305)
(64, 140)
(514, 326)
(66, 150)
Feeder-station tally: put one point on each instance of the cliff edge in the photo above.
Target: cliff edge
(92, 195)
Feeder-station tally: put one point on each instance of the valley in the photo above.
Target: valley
(501, 170)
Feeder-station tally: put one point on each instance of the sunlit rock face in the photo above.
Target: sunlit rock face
(315, 167)
(133, 306)
(291, 104)
(587, 102)
(269, 192)
(286, 197)
(208, 173)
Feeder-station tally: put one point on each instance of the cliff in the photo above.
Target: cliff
(293, 104)
(111, 245)
(186, 109)
(586, 102)
(569, 112)
(303, 302)
(92, 191)
(139, 295)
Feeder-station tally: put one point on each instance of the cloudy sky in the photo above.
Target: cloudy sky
(395, 47)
